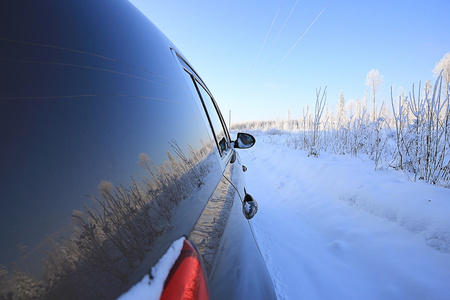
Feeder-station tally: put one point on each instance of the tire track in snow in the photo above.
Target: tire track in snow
(274, 221)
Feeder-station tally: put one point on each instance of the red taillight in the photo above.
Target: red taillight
(187, 278)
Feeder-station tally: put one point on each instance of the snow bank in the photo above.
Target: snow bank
(417, 206)
(334, 228)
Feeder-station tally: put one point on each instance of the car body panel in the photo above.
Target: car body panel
(108, 157)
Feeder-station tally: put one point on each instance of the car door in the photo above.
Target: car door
(223, 235)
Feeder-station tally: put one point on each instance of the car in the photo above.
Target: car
(118, 175)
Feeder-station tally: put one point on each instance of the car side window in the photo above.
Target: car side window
(214, 119)
(212, 112)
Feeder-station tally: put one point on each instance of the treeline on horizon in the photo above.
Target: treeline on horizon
(410, 132)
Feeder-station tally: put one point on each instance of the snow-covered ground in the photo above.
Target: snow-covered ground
(334, 228)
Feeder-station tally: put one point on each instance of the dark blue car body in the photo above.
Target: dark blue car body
(112, 148)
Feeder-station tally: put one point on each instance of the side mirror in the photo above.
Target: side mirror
(244, 141)
(249, 207)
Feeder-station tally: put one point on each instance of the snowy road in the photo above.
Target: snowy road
(324, 236)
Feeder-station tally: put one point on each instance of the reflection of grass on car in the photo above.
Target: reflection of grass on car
(112, 236)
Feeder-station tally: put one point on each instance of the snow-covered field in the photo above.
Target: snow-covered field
(334, 228)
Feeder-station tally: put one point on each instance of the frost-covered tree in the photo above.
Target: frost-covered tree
(442, 69)
(321, 98)
(359, 109)
(444, 66)
(350, 108)
(374, 81)
(340, 110)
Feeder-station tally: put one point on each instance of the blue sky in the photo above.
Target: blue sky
(260, 78)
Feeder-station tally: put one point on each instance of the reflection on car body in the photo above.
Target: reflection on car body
(113, 149)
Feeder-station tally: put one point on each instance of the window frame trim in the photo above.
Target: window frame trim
(195, 79)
